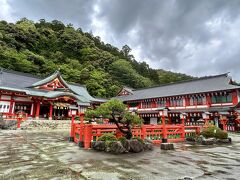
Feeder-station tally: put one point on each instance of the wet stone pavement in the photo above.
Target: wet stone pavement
(48, 155)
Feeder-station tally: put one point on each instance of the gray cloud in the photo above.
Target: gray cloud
(77, 12)
(193, 37)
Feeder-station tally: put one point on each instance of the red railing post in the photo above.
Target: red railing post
(144, 132)
(81, 132)
(81, 115)
(19, 122)
(81, 118)
(183, 129)
(72, 127)
(87, 136)
(164, 130)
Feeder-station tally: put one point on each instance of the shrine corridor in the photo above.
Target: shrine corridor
(48, 155)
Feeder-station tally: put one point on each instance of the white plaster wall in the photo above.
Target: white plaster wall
(153, 120)
(4, 106)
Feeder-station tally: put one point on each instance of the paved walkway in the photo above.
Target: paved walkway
(48, 155)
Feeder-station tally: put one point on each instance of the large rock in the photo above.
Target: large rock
(209, 141)
(224, 141)
(200, 139)
(190, 139)
(148, 145)
(116, 147)
(136, 146)
(99, 145)
(126, 145)
(167, 146)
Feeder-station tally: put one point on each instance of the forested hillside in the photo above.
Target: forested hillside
(43, 47)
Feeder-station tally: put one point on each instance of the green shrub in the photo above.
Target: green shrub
(221, 134)
(213, 131)
(108, 143)
(122, 139)
(107, 137)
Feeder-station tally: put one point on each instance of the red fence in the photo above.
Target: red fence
(175, 133)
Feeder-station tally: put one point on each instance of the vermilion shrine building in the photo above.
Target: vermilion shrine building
(213, 99)
(51, 98)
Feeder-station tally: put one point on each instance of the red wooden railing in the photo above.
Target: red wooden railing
(175, 133)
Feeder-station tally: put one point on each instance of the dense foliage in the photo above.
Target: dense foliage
(41, 48)
(116, 111)
(214, 132)
(107, 137)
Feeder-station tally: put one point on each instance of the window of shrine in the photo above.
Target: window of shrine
(146, 104)
(176, 102)
(161, 103)
(222, 98)
(198, 100)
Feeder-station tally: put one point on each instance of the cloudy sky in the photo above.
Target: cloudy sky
(189, 36)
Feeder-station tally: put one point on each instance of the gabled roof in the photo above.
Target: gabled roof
(125, 88)
(201, 85)
(50, 78)
(26, 83)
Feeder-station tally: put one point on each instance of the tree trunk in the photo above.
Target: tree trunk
(127, 133)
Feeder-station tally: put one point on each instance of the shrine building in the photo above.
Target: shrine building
(213, 99)
(49, 98)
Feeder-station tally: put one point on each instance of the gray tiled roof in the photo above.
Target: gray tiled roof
(22, 82)
(205, 84)
(14, 79)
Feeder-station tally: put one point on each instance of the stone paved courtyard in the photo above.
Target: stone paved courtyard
(48, 155)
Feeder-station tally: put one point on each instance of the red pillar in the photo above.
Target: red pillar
(164, 130)
(187, 101)
(81, 126)
(154, 104)
(208, 100)
(183, 129)
(50, 111)
(87, 136)
(72, 127)
(168, 102)
(37, 110)
(234, 97)
(81, 118)
(18, 123)
(11, 106)
(144, 132)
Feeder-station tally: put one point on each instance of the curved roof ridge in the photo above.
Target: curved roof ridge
(56, 74)
(184, 81)
(21, 73)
